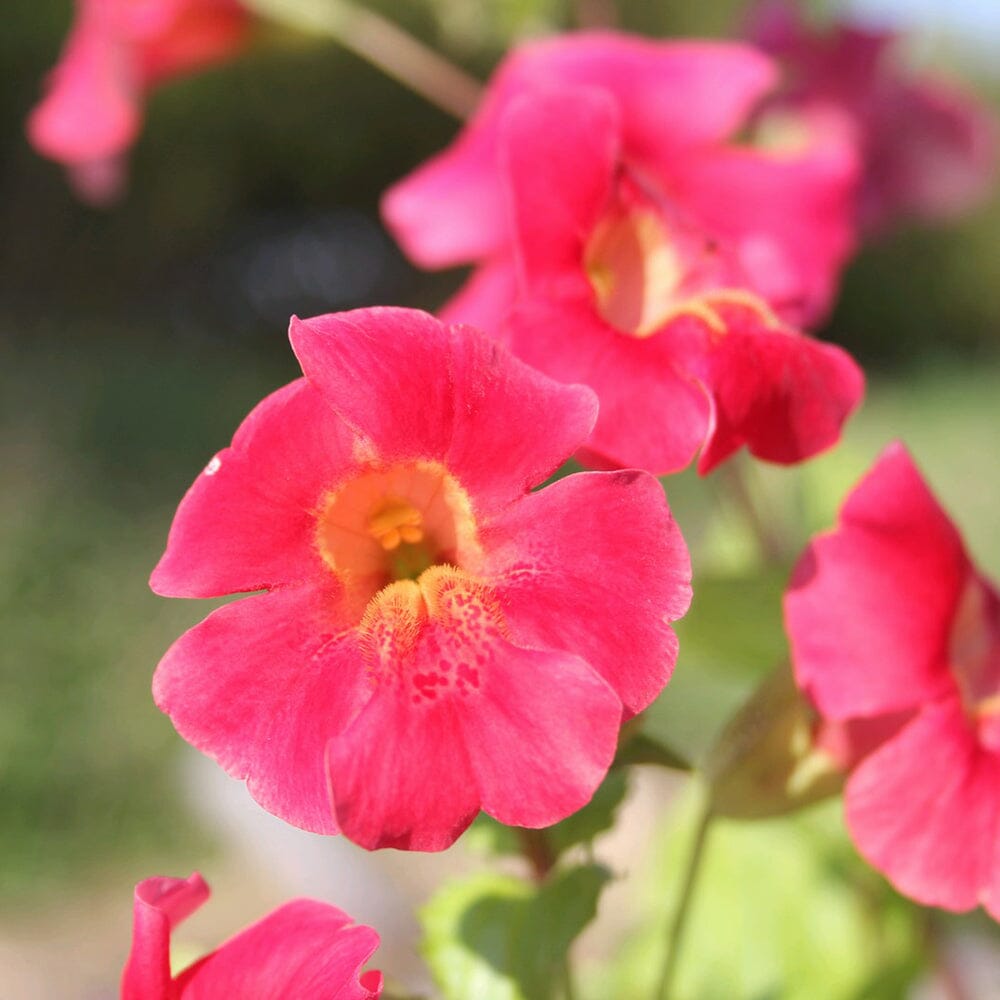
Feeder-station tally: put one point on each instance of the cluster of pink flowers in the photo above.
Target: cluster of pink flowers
(437, 636)
(624, 240)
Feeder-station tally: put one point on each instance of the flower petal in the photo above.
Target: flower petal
(791, 218)
(91, 110)
(160, 904)
(784, 395)
(248, 521)
(670, 95)
(415, 388)
(261, 685)
(870, 606)
(400, 776)
(463, 718)
(303, 950)
(486, 299)
(606, 589)
(560, 150)
(924, 810)
(543, 737)
(652, 416)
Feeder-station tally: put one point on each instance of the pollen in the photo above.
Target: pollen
(390, 523)
(396, 521)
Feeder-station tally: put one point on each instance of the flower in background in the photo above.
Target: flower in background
(435, 638)
(644, 295)
(303, 950)
(784, 219)
(116, 52)
(895, 638)
(928, 148)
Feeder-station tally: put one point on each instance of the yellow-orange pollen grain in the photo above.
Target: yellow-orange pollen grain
(395, 521)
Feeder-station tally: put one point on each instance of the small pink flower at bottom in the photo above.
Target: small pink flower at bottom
(116, 51)
(896, 640)
(435, 638)
(301, 951)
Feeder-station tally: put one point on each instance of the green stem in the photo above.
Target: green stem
(596, 14)
(386, 46)
(770, 542)
(537, 852)
(675, 933)
(944, 969)
(569, 990)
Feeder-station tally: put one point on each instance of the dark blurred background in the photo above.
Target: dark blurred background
(133, 339)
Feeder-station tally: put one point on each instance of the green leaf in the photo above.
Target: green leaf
(782, 908)
(643, 749)
(731, 637)
(494, 937)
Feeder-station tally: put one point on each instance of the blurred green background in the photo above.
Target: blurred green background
(133, 340)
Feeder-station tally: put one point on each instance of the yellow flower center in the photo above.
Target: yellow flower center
(394, 523)
(634, 270)
(974, 653)
(643, 277)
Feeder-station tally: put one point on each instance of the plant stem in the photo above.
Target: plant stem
(771, 545)
(947, 975)
(538, 852)
(386, 46)
(678, 921)
(569, 990)
(596, 14)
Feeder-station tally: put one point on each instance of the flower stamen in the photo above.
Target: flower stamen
(396, 521)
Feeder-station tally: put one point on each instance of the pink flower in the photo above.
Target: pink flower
(301, 951)
(116, 51)
(785, 219)
(896, 639)
(627, 290)
(435, 639)
(928, 148)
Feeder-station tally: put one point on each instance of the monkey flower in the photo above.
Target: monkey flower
(787, 218)
(434, 638)
(116, 52)
(625, 291)
(896, 635)
(303, 950)
(928, 147)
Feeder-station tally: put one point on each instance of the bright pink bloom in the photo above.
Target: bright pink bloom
(786, 219)
(435, 639)
(116, 51)
(623, 290)
(928, 148)
(896, 640)
(301, 951)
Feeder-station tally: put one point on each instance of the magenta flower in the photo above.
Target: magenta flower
(784, 219)
(623, 290)
(435, 638)
(928, 148)
(116, 51)
(301, 951)
(896, 639)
